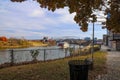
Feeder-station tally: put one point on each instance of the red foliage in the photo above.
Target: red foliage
(3, 38)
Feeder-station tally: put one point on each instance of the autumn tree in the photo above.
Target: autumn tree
(3, 38)
(84, 10)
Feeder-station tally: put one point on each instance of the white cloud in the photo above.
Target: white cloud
(100, 16)
(65, 16)
(37, 13)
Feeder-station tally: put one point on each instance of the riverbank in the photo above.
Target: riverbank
(7, 45)
(52, 70)
(36, 44)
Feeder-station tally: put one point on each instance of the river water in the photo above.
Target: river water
(24, 54)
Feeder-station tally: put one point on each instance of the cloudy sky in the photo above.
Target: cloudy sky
(28, 20)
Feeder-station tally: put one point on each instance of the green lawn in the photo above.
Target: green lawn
(52, 70)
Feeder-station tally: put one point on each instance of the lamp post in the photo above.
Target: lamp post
(92, 51)
(93, 43)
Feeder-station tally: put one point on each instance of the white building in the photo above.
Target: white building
(63, 44)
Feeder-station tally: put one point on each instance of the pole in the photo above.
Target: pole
(93, 42)
(11, 53)
(12, 57)
(44, 55)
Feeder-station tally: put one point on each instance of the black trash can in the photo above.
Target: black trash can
(78, 70)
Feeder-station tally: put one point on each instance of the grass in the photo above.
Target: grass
(52, 70)
(25, 44)
(37, 43)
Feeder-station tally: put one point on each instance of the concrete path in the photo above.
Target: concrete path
(113, 66)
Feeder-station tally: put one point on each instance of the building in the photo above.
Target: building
(112, 40)
(87, 39)
(63, 44)
(105, 40)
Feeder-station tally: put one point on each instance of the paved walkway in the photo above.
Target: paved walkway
(113, 65)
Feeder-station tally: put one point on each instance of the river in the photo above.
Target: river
(24, 54)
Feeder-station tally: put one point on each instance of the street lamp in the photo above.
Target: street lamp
(94, 19)
(92, 52)
(93, 43)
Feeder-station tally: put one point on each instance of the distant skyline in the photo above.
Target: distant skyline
(28, 20)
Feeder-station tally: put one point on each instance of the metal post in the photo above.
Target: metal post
(80, 47)
(12, 57)
(93, 42)
(65, 52)
(44, 54)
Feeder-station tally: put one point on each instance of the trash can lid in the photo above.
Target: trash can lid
(77, 62)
